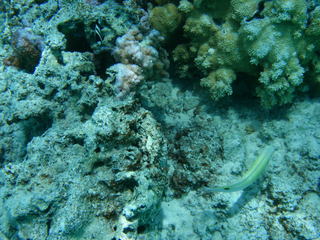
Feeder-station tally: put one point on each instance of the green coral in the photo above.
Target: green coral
(273, 42)
(313, 28)
(219, 82)
(165, 19)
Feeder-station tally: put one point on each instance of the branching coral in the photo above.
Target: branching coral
(273, 42)
(219, 82)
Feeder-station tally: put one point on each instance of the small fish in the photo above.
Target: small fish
(256, 170)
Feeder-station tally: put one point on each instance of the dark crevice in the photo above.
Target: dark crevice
(257, 14)
(1, 156)
(36, 126)
(77, 140)
(142, 229)
(244, 86)
(75, 36)
(125, 184)
(86, 111)
(102, 61)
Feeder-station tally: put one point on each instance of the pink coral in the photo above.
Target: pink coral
(127, 76)
(140, 58)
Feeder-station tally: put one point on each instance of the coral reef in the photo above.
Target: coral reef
(71, 151)
(272, 42)
(98, 141)
(79, 188)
